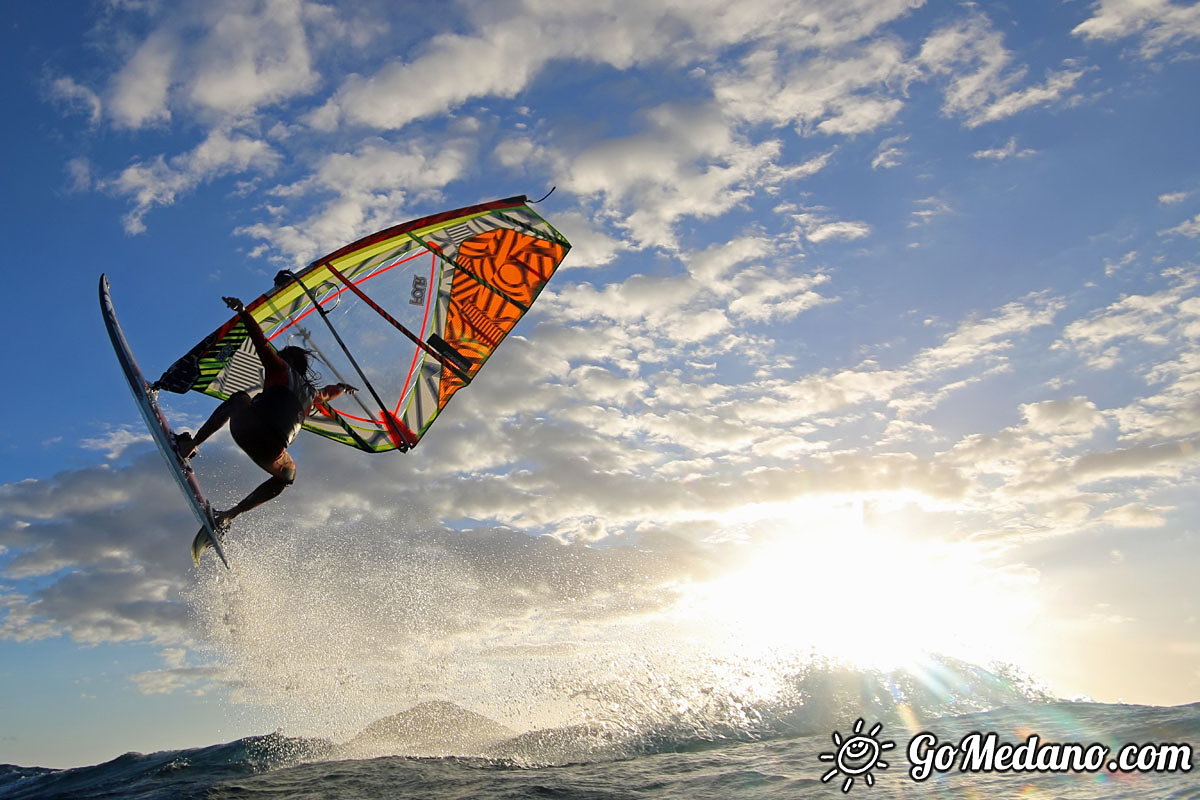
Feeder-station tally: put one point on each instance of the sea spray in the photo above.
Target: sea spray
(325, 630)
(321, 630)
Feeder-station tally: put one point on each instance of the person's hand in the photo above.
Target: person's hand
(234, 303)
(347, 388)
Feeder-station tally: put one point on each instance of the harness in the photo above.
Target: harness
(284, 406)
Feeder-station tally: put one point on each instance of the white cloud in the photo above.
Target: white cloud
(762, 297)
(1160, 23)
(371, 188)
(160, 181)
(1009, 150)
(79, 173)
(197, 681)
(115, 441)
(1135, 515)
(816, 227)
(889, 154)
(520, 153)
(989, 336)
(714, 264)
(1058, 469)
(379, 165)
(688, 162)
(1171, 412)
(667, 305)
(774, 175)
(839, 390)
(253, 55)
(77, 97)
(970, 43)
(1189, 228)
(501, 65)
(928, 209)
(1171, 198)
(1111, 266)
(928, 378)
(507, 51)
(981, 81)
(590, 245)
(1053, 473)
(224, 59)
(833, 94)
(1056, 86)
(1136, 319)
(342, 219)
(1166, 459)
(69, 494)
(1076, 416)
(137, 95)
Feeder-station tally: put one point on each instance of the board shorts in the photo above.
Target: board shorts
(278, 416)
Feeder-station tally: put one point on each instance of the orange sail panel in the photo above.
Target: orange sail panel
(500, 274)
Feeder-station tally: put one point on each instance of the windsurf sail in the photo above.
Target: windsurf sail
(413, 312)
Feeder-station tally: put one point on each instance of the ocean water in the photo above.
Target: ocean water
(774, 756)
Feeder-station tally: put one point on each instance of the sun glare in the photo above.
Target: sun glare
(872, 596)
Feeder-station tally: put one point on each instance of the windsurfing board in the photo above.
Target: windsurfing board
(160, 429)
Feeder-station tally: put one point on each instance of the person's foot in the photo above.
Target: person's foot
(184, 446)
(221, 522)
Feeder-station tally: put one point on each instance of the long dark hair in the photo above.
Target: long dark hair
(298, 359)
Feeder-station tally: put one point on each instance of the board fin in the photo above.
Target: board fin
(199, 545)
(204, 540)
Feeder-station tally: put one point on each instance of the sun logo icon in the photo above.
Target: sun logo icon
(857, 755)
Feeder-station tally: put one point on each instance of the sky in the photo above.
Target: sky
(879, 337)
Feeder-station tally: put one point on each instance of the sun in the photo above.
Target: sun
(872, 596)
(856, 756)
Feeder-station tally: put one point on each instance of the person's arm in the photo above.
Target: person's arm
(271, 361)
(333, 390)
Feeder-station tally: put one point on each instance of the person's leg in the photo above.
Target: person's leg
(248, 431)
(186, 444)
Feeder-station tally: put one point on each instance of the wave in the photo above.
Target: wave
(602, 752)
(632, 718)
(169, 773)
(655, 714)
(624, 718)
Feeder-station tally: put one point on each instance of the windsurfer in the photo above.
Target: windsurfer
(265, 424)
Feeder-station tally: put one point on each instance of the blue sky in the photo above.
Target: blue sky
(876, 301)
